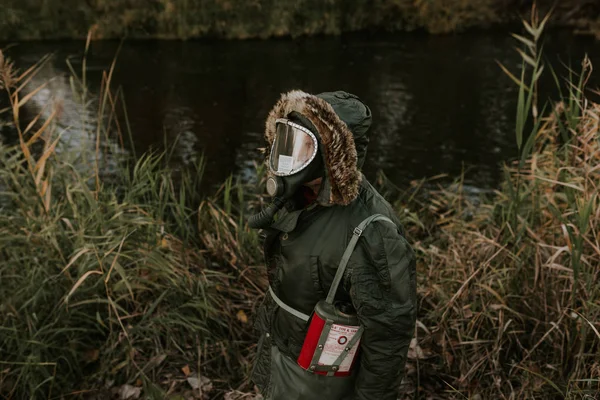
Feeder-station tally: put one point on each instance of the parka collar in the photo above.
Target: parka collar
(288, 222)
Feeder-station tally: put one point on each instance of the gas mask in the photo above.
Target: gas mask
(295, 159)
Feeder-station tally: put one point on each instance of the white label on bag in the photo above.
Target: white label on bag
(285, 164)
(336, 343)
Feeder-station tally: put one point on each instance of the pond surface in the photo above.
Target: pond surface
(440, 104)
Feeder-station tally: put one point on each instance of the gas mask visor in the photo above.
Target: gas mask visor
(294, 148)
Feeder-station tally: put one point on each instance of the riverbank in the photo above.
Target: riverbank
(238, 19)
(125, 278)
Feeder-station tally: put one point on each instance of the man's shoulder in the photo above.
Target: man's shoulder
(370, 202)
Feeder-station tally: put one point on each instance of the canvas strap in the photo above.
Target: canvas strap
(293, 311)
(348, 253)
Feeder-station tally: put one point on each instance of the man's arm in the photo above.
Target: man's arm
(383, 291)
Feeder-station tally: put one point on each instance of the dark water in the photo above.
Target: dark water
(440, 103)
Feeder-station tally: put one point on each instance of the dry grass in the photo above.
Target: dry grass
(510, 300)
(509, 310)
(107, 279)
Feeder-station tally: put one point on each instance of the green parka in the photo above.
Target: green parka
(303, 249)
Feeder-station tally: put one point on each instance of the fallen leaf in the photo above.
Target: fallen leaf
(410, 369)
(186, 370)
(156, 361)
(242, 317)
(237, 395)
(194, 382)
(202, 385)
(91, 355)
(164, 243)
(415, 351)
(129, 392)
(449, 358)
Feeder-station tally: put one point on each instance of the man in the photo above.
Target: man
(317, 146)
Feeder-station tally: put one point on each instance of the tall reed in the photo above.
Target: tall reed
(510, 300)
(103, 279)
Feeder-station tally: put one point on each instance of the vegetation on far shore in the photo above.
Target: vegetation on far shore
(134, 282)
(240, 19)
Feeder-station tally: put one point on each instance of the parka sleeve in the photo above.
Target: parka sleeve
(383, 291)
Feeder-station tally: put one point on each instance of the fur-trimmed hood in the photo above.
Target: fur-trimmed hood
(342, 122)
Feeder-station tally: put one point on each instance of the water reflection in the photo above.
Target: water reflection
(440, 104)
(67, 118)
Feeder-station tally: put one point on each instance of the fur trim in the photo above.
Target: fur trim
(339, 151)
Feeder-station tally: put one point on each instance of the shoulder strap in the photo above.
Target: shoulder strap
(293, 311)
(349, 250)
